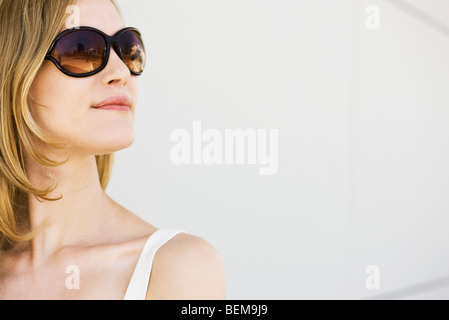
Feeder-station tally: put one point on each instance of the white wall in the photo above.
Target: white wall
(363, 141)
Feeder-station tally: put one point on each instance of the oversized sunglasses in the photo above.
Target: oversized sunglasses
(84, 51)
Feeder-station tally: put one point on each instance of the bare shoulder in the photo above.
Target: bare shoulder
(187, 267)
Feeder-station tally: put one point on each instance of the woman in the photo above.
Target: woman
(67, 103)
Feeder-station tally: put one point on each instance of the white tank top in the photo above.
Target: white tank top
(138, 285)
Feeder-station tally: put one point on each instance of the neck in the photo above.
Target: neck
(80, 215)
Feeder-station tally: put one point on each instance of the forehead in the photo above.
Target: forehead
(99, 14)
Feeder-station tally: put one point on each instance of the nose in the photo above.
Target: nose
(116, 72)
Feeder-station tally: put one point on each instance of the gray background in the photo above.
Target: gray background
(363, 118)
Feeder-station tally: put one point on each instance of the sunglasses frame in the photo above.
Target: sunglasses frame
(109, 42)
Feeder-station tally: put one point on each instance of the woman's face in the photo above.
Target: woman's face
(63, 106)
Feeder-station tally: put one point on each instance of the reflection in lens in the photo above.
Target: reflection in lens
(80, 52)
(133, 51)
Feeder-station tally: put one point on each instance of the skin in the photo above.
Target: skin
(86, 228)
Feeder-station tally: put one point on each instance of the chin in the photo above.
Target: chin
(111, 144)
(120, 145)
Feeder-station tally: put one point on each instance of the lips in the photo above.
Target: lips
(119, 103)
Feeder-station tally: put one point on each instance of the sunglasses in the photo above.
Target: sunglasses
(84, 51)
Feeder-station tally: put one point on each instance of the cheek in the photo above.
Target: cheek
(56, 101)
(61, 106)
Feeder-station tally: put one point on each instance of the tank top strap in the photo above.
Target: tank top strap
(138, 285)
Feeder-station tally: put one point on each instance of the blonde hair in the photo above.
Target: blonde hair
(27, 29)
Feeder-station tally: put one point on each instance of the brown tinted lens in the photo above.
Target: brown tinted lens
(133, 51)
(80, 52)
